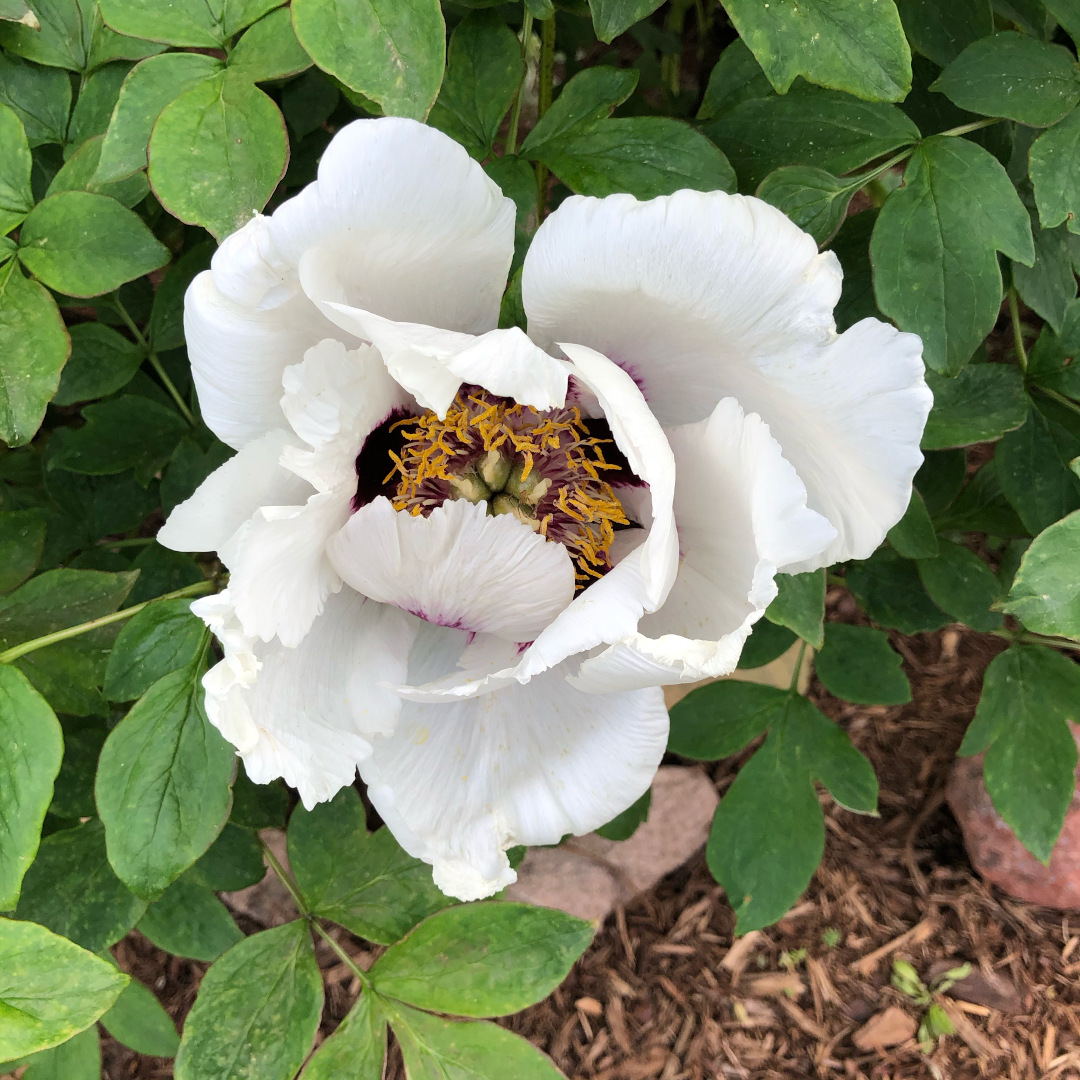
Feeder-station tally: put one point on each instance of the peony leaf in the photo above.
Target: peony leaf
(913, 536)
(942, 31)
(981, 403)
(800, 605)
(137, 1020)
(888, 589)
(50, 988)
(719, 719)
(357, 1048)
(485, 959)
(16, 200)
(612, 17)
(189, 920)
(40, 97)
(269, 50)
(22, 538)
(257, 1011)
(1045, 593)
(857, 664)
(30, 753)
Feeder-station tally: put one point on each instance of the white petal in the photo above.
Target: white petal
(701, 296)
(334, 400)
(402, 222)
(238, 354)
(741, 512)
(280, 575)
(308, 714)
(231, 494)
(610, 608)
(458, 567)
(460, 783)
(432, 364)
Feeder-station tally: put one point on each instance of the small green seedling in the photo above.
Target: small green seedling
(830, 937)
(935, 1021)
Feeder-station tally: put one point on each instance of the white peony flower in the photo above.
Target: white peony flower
(464, 559)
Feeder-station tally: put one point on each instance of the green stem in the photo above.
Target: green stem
(155, 363)
(305, 912)
(515, 112)
(6, 657)
(1026, 637)
(545, 92)
(835, 579)
(1018, 329)
(1061, 399)
(793, 688)
(343, 956)
(134, 541)
(975, 125)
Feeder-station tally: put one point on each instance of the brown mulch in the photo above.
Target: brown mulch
(665, 994)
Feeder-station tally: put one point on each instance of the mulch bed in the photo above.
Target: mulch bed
(665, 993)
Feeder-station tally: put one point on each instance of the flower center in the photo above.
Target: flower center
(547, 469)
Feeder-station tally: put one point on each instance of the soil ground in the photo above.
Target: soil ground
(665, 993)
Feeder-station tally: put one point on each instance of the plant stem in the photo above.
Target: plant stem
(6, 657)
(301, 905)
(343, 956)
(515, 112)
(134, 541)
(1026, 637)
(545, 91)
(1017, 328)
(155, 363)
(793, 688)
(975, 125)
(835, 579)
(1061, 399)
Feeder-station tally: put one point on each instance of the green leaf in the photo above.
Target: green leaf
(721, 718)
(933, 249)
(624, 825)
(269, 50)
(1067, 13)
(66, 673)
(148, 88)
(767, 836)
(766, 643)
(122, 433)
(889, 590)
(963, 586)
(137, 1020)
(737, 77)
(913, 536)
(160, 639)
(73, 891)
(612, 17)
(164, 784)
(363, 881)
(1049, 286)
(73, 792)
(166, 327)
(768, 833)
(485, 959)
(50, 989)
(188, 468)
(78, 174)
(77, 1059)
(942, 31)
(647, 156)
(482, 76)
(22, 537)
(309, 102)
(71, 35)
(589, 96)
(16, 199)
(84, 244)
(800, 605)
(858, 664)
(33, 347)
(853, 45)
(217, 153)
(438, 1049)
(257, 1011)
(981, 403)
(1014, 76)
(1034, 474)
(189, 920)
(30, 753)
(1029, 695)
(236, 14)
(1045, 593)
(179, 22)
(258, 806)
(96, 102)
(1055, 173)
(814, 199)
(40, 97)
(357, 1049)
(233, 862)
(852, 248)
(940, 478)
(17, 11)
(101, 362)
(391, 52)
(816, 128)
